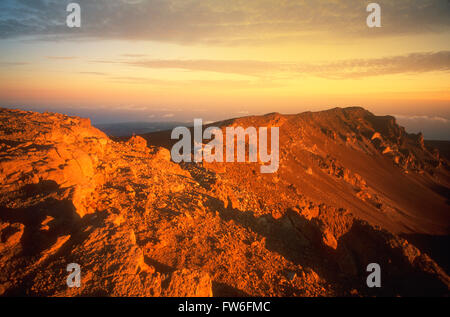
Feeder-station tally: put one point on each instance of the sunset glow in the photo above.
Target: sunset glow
(171, 59)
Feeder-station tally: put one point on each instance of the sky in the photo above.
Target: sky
(175, 60)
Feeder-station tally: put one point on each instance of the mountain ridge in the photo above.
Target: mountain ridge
(140, 225)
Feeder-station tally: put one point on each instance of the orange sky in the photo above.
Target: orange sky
(213, 60)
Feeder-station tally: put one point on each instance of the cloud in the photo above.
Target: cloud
(168, 115)
(6, 64)
(410, 63)
(133, 55)
(174, 83)
(244, 67)
(345, 69)
(222, 22)
(422, 118)
(94, 73)
(61, 57)
(432, 126)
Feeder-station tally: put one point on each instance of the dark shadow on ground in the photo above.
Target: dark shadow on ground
(225, 290)
(437, 247)
(299, 241)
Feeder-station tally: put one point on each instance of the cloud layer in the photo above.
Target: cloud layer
(433, 127)
(223, 22)
(346, 69)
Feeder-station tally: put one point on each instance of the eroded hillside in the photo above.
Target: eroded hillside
(348, 186)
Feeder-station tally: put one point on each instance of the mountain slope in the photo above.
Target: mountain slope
(352, 159)
(140, 225)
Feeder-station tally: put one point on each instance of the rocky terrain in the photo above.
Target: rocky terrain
(352, 188)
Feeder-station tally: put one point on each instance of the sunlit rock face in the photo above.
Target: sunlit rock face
(352, 188)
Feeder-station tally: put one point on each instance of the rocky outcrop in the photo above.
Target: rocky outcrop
(38, 149)
(138, 224)
(57, 174)
(350, 243)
